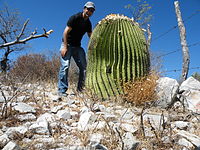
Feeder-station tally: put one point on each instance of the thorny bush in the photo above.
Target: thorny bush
(141, 90)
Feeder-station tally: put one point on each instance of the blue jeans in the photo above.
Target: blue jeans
(79, 57)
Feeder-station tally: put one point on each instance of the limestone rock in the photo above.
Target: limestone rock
(166, 89)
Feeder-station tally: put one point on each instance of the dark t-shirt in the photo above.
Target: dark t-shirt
(79, 27)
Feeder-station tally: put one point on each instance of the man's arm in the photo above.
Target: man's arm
(65, 37)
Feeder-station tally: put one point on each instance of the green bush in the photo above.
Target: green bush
(196, 75)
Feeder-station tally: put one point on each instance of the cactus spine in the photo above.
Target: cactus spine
(117, 53)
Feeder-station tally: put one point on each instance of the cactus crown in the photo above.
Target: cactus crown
(117, 53)
(112, 17)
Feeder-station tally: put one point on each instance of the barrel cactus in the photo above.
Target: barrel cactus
(117, 53)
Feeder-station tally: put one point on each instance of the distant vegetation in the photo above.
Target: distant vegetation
(140, 11)
(40, 67)
(196, 75)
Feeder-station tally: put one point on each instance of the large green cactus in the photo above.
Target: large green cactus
(117, 53)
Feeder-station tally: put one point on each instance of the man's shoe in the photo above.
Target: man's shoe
(62, 94)
(79, 89)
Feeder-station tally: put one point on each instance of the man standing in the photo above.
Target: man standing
(77, 26)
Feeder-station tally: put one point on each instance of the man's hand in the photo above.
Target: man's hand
(65, 36)
(63, 51)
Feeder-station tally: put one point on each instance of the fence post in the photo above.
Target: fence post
(185, 51)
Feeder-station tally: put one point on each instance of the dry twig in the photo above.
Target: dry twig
(23, 41)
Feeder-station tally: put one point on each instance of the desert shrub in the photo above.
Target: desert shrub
(27, 65)
(141, 90)
(38, 67)
(35, 67)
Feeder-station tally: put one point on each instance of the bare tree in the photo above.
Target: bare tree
(13, 34)
(140, 12)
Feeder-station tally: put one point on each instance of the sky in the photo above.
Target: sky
(53, 14)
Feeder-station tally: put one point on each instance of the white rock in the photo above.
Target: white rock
(74, 114)
(166, 89)
(23, 108)
(1, 132)
(182, 125)
(6, 94)
(192, 93)
(130, 142)
(47, 116)
(21, 98)
(190, 83)
(73, 106)
(98, 146)
(165, 139)
(74, 124)
(110, 117)
(99, 125)
(26, 117)
(64, 114)
(4, 140)
(126, 114)
(56, 108)
(21, 130)
(4, 128)
(45, 140)
(155, 119)
(98, 107)
(70, 102)
(84, 110)
(85, 119)
(54, 98)
(96, 138)
(128, 128)
(41, 127)
(190, 137)
(184, 142)
(11, 146)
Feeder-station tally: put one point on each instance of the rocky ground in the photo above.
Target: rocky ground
(33, 119)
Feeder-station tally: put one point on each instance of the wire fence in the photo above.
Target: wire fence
(174, 27)
(178, 49)
(177, 70)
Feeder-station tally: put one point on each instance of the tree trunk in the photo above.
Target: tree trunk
(185, 51)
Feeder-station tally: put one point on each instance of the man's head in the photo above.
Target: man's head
(88, 10)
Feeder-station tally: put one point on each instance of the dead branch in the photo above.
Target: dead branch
(153, 129)
(120, 137)
(22, 31)
(4, 109)
(163, 124)
(142, 122)
(23, 41)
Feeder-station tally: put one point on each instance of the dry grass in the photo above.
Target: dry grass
(141, 90)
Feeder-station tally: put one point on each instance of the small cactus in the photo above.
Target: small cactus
(117, 53)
